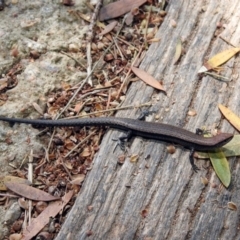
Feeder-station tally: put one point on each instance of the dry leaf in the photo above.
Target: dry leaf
(232, 206)
(38, 223)
(23, 203)
(147, 78)
(78, 107)
(118, 8)
(86, 152)
(13, 179)
(134, 158)
(219, 59)
(30, 192)
(230, 116)
(16, 236)
(108, 28)
(204, 181)
(178, 52)
(129, 18)
(68, 164)
(78, 179)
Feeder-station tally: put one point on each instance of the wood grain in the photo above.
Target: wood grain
(176, 205)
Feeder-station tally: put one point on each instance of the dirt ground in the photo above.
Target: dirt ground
(27, 27)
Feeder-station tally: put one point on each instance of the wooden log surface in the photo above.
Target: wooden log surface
(159, 196)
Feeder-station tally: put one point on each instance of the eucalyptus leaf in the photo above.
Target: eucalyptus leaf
(231, 149)
(221, 166)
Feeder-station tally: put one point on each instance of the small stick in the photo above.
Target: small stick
(225, 40)
(112, 109)
(222, 78)
(30, 178)
(120, 52)
(128, 73)
(146, 29)
(8, 195)
(79, 144)
(89, 40)
(85, 80)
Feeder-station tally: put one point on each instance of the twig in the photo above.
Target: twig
(127, 43)
(225, 40)
(128, 73)
(85, 80)
(8, 195)
(112, 110)
(83, 83)
(79, 144)
(89, 40)
(147, 23)
(221, 78)
(30, 178)
(49, 145)
(23, 161)
(120, 52)
(67, 171)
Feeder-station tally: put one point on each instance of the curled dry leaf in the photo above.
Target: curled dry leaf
(134, 158)
(30, 192)
(86, 152)
(68, 164)
(38, 108)
(147, 78)
(232, 206)
(23, 203)
(78, 179)
(108, 28)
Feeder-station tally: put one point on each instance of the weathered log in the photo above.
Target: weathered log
(159, 196)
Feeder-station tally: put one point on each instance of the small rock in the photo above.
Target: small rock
(13, 213)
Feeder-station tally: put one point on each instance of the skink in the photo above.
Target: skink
(151, 130)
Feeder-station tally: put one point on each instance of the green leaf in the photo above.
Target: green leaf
(221, 166)
(231, 149)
